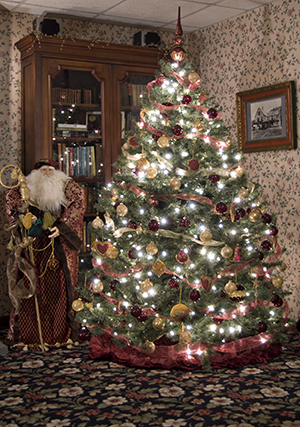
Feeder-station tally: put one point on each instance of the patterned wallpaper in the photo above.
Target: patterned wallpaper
(253, 50)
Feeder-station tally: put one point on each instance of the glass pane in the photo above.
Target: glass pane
(131, 92)
(77, 125)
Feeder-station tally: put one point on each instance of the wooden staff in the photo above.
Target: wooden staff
(18, 174)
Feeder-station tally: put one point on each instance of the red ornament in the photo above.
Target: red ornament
(184, 223)
(266, 218)
(273, 230)
(136, 311)
(182, 257)
(260, 255)
(261, 327)
(160, 80)
(275, 298)
(142, 317)
(173, 283)
(113, 284)
(193, 165)
(132, 253)
(214, 178)
(167, 104)
(131, 224)
(194, 295)
(153, 225)
(186, 99)
(83, 334)
(212, 113)
(221, 207)
(266, 245)
(241, 212)
(177, 130)
(278, 303)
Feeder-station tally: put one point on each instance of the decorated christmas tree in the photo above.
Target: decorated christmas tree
(186, 264)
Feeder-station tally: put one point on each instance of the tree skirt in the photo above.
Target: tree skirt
(231, 355)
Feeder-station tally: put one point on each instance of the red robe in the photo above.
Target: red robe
(54, 287)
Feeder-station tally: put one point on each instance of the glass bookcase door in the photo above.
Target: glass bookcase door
(77, 130)
(131, 92)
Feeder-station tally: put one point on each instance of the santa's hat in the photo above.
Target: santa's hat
(46, 162)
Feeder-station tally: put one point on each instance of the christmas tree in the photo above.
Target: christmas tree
(186, 264)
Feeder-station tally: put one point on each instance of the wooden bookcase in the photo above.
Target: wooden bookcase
(44, 61)
(76, 95)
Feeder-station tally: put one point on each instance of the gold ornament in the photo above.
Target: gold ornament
(254, 215)
(163, 142)
(158, 324)
(177, 310)
(77, 305)
(198, 125)
(114, 192)
(205, 236)
(230, 287)
(277, 281)
(243, 193)
(227, 252)
(122, 209)
(151, 249)
(111, 252)
(97, 286)
(151, 172)
(143, 164)
(175, 183)
(146, 285)
(193, 77)
(158, 268)
(185, 337)
(239, 171)
(149, 347)
(97, 222)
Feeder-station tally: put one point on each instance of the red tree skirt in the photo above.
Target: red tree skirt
(176, 357)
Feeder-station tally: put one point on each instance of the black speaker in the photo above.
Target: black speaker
(47, 26)
(146, 38)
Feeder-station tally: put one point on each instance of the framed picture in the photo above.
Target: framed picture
(93, 122)
(266, 118)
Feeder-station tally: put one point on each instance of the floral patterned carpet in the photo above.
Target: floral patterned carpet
(63, 387)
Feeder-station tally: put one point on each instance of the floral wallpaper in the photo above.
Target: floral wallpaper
(255, 49)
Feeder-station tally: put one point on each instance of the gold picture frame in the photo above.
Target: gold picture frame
(266, 118)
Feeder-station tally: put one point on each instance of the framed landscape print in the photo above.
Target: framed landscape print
(266, 118)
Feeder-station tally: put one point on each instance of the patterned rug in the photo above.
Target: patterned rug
(63, 387)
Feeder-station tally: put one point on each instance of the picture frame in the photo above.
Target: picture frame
(94, 122)
(266, 118)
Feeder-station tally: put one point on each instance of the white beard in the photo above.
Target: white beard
(47, 192)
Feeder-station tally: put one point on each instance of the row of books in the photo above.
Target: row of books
(130, 94)
(81, 160)
(87, 238)
(73, 96)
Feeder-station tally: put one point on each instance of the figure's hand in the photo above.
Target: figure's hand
(33, 219)
(55, 232)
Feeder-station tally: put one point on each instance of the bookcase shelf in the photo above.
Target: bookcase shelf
(98, 86)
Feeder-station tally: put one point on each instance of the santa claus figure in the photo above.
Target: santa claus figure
(43, 266)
